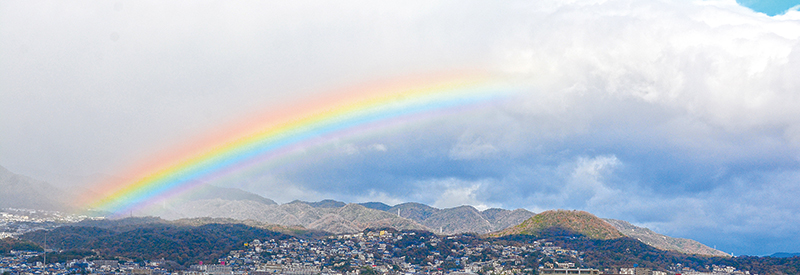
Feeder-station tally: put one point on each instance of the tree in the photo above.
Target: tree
(367, 270)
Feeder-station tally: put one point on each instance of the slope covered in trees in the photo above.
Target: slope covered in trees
(183, 244)
(581, 222)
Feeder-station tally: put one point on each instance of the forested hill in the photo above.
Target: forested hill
(580, 222)
(9, 244)
(147, 241)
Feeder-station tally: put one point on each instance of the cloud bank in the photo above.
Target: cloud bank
(678, 115)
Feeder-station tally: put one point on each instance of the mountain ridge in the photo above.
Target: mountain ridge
(18, 191)
(214, 203)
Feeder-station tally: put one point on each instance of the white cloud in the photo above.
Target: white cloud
(715, 61)
(451, 192)
(580, 183)
(468, 148)
(377, 147)
(588, 179)
(352, 149)
(457, 196)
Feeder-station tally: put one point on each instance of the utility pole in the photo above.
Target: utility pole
(45, 250)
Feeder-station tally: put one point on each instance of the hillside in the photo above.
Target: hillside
(183, 244)
(502, 218)
(462, 219)
(337, 217)
(19, 191)
(9, 244)
(359, 218)
(412, 210)
(580, 222)
(322, 216)
(659, 241)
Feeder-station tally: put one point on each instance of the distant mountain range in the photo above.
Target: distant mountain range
(334, 216)
(218, 204)
(19, 191)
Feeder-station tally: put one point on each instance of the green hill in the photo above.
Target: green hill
(141, 240)
(580, 222)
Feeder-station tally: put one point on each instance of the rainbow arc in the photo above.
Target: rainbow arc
(276, 134)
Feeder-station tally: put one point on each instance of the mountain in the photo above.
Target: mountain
(412, 210)
(502, 218)
(337, 217)
(580, 222)
(358, 217)
(458, 220)
(221, 208)
(462, 219)
(348, 218)
(297, 231)
(156, 240)
(19, 191)
(664, 242)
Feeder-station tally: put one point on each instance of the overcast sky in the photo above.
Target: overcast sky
(682, 116)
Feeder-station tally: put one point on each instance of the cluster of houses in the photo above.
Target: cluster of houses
(16, 221)
(387, 252)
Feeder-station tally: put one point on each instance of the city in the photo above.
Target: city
(371, 252)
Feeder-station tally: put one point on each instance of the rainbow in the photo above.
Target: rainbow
(277, 133)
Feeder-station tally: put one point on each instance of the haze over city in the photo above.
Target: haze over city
(681, 116)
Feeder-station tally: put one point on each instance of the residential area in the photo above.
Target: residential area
(371, 252)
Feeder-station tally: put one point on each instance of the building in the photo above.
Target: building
(635, 271)
(555, 271)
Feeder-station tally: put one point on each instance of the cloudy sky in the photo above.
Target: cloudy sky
(682, 116)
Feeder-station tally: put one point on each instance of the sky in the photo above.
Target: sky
(681, 116)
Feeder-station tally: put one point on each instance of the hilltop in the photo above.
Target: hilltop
(580, 222)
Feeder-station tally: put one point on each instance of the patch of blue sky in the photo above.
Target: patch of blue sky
(771, 7)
